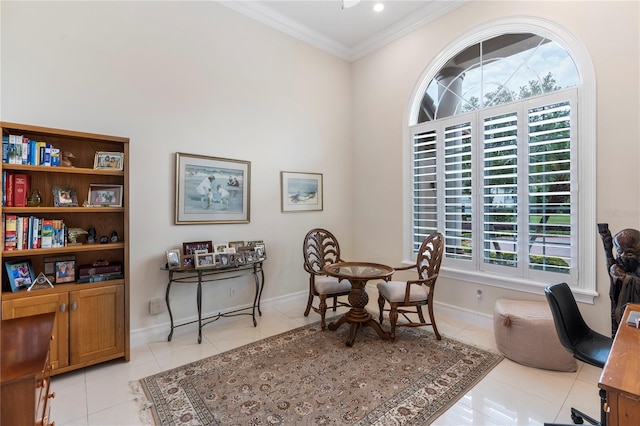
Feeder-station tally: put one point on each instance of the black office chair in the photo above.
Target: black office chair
(585, 344)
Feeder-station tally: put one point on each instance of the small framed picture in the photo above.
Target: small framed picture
(65, 271)
(192, 247)
(64, 197)
(188, 261)
(20, 273)
(105, 195)
(173, 258)
(50, 265)
(205, 260)
(301, 192)
(236, 244)
(220, 248)
(224, 259)
(108, 161)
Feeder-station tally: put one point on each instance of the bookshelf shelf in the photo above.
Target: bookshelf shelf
(82, 310)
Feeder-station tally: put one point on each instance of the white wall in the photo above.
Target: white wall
(190, 77)
(383, 83)
(196, 77)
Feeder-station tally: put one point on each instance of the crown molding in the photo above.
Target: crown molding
(280, 22)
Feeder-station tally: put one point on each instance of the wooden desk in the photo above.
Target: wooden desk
(620, 377)
(358, 273)
(25, 349)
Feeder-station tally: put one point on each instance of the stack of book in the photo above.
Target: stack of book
(18, 149)
(93, 273)
(26, 233)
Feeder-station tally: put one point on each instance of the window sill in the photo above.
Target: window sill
(511, 283)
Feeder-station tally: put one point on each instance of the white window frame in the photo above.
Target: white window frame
(585, 288)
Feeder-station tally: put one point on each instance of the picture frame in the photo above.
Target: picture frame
(108, 161)
(49, 264)
(105, 195)
(173, 258)
(64, 196)
(235, 244)
(188, 261)
(205, 260)
(301, 192)
(225, 260)
(191, 247)
(221, 247)
(211, 190)
(65, 271)
(20, 273)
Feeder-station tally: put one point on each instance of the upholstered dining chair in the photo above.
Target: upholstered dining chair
(408, 297)
(321, 248)
(578, 338)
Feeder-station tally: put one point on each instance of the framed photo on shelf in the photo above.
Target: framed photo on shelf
(188, 261)
(20, 273)
(64, 197)
(66, 271)
(205, 260)
(108, 161)
(50, 265)
(235, 244)
(301, 192)
(105, 195)
(193, 247)
(221, 247)
(212, 190)
(225, 259)
(173, 258)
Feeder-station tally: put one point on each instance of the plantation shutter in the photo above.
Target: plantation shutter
(425, 191)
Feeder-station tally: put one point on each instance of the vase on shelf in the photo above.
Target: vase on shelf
(34, 198)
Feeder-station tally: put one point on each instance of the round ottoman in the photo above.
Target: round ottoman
(525, 333)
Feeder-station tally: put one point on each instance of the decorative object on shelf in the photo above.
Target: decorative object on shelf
(225, 259)
(104, 239)
(92, 236)
(66, 271)
(301, 192)
(34, 198)
(67, 156)
(173, 258)
(204, 260)
(20, 274)
(108, 161)
(212, 190)
(50, 265)
(105, 195)
(188, 261)
(258, 247)
(192, 247)
(114, 237)
(40, 282)
(64, 197)
(73, 234)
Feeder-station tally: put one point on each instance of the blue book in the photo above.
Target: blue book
(5, 149)
(33, 153)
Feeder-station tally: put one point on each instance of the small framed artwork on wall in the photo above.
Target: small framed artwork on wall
(301, 192)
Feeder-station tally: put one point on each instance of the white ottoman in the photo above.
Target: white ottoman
(526, 334)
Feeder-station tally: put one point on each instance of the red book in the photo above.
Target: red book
(9, 190)
(22, 183)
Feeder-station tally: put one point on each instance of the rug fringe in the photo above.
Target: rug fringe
(144, 405)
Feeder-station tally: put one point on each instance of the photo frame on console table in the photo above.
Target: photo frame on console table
(212, 190)
(301, 192)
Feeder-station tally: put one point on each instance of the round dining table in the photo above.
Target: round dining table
(358, 273)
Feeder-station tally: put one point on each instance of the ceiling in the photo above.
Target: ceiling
(349, 33)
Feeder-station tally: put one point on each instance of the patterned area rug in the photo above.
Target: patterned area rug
(310, 377)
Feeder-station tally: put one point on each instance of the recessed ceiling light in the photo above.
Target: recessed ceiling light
(378, 7)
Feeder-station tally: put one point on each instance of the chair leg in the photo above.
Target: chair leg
(433, 321)
(381, 301)
(335, 303)
(322, 310)
(393, 319)
(309, 303)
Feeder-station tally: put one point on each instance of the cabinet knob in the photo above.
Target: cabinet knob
(606, 408)
(63, 307)
(51, 395)
(74, 306)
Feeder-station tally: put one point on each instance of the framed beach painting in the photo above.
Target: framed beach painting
(301, 192)
(212, 190)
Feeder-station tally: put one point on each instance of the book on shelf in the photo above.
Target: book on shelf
(8, 190)
(47, 233)
(100, 277)
(10, 228)
(55, 157)
(5, 148)
(88, 270)
(22, 186)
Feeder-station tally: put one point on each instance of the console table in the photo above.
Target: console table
(211, 274)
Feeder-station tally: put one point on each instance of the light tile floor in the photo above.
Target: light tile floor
(511, 394)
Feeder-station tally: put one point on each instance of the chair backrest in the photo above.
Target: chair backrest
(320, 248)
(430, 256)
(567, 318)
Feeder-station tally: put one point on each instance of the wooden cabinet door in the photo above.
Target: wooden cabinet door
(96, 324)
(41, 304)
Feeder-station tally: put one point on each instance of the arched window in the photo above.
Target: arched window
(495, 160)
